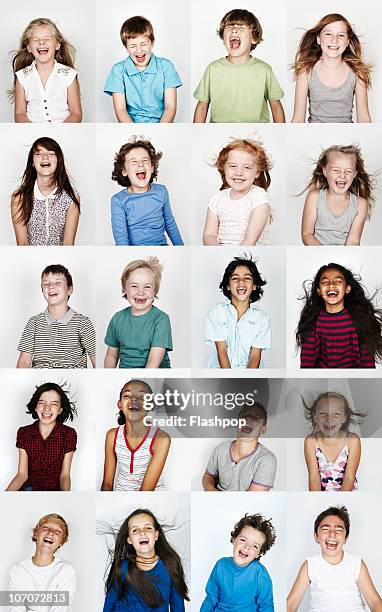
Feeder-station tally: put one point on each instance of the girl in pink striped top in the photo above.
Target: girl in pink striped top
(339, 326)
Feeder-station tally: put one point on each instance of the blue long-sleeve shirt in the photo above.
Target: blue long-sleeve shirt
(232, 588)
(141, 219)
(133, 603)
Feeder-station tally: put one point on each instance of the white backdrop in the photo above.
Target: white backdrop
(75, 30)
(206, 45)
(305, 143)
(205, 294)
(174, 170)
(77, 143)
(364, 17)
(170, 21)
(16, 530)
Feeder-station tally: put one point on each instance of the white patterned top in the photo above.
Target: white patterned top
(47, 222)
(132, 464)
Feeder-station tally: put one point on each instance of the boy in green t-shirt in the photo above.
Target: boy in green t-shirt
(139, 336)
(239, 87)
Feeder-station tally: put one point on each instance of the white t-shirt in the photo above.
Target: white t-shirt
(57, 576)
(233, 215)
(50, 103)
(333, 588)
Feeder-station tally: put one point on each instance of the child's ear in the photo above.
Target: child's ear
(58, 46)
(129, 541)
(70, 290)
(348, 289)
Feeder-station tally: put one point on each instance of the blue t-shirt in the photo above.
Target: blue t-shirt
(231, 587)
(133, 602)
(143, 89)
(141, 219)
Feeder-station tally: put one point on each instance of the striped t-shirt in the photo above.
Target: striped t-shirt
(61, 343)
(133, 463)
(334, 343)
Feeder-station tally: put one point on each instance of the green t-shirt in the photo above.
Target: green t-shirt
(238, 93)
(134, 336)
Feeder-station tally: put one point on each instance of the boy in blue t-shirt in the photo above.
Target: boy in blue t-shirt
(143, 86)
(241, 582)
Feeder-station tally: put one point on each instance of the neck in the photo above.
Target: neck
(241, 307)
(135, 189)
(238, 60)
(58, 311)
(45, 184)
(45, 430)
(41, 558)
(333, 308)
(237, 195)
(44, 68)
(139, 313)
(146, 563)
(334, 560)
(244, 446)
(135, 429)
(331, 62)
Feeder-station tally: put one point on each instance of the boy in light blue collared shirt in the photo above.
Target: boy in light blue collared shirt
(238, 329)
(143, 86)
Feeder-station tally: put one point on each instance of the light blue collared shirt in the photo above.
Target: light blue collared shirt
(253, 329)
(143, 89)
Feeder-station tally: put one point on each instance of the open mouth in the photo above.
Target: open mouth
(45, 165)
(234, 42)
(331, 545)
(332, 294)
(140, 300)
(242, 555)
(48, 540)
(341, 184)
(141, 175)
(140, 58)
(144, 541)
(241, 290)
(246, 429)
(43, 50)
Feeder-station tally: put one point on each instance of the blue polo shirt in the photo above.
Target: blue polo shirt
(143, 89)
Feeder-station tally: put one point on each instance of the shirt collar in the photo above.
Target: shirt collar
(151, 68)
(39, 196)
(63, 320)
(228, 303)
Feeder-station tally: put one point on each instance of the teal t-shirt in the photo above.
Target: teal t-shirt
(134, 336)
(238, 93)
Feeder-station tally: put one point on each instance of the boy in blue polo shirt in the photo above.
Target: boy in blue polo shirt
(143, 86)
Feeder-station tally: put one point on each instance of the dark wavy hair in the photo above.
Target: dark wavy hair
(259, 522)
(140, 580)
(351, 416)
(121, 417)
(340, 511)
(366, 318)
(60, 180)
(249, 263)
(134, 142)
(69, 410)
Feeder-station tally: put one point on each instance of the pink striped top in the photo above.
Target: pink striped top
(133, 463)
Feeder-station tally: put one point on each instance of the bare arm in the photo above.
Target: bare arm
(110, 463)
(368, 589)
(201, 112)
(354, 445)
(19, 227)
(155, 358)
(309, 218)
(111, 357)
(298, 589)
(300, 98)
(208, 482)
(169, 112)
(71, 224)
(356, 229)
(361, 103)
(65, 472)
(210, 231)
(161, 447)
(311, 464)
(256, 224)
(119, 102)
(254, 358)
(20, 104)
(277, 111)
(221, 348)
(24, 360)
(74, 103)
(22, 472)
(93, 360)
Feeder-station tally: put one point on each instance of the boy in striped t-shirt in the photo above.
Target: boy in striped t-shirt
(59, 337)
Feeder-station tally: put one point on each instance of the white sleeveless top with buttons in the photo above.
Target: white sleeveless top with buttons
(132, 464)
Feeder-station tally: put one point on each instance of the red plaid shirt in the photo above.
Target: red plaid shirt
(45, 457)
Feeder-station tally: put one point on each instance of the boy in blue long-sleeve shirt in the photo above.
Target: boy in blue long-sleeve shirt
(241, 582)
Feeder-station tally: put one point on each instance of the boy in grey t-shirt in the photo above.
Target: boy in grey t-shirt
(243, 464)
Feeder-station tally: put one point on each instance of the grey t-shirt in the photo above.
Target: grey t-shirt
(259, 467)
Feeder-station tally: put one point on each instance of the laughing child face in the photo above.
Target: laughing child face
(331, 536)
(49, 536)
(255, 424)
(132, 400)
(48, 407)
(138, 168)
(142, 535)
(241, 285)
(333, 289)
(330, 416)
(238, 41)
(247, 545)
(140, 290)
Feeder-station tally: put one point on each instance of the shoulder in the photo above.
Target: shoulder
(362, 204)
(353, 440)
(260, 64)
(255, 312)
(219, 309)
(65, 71)
(68, 431)
(310, 441)
(158, 188)
(78, 317)
(260, 570)
(161, 435)
(111, 432)
(258, 195)
(37, 318)
(65, 567)
(119, 67)
(26, 429)
(25, 72)
(219, 63)
(19, 568)
(159, 315)
(312, 196)
(267, 454)
(121, 196)
(121, 315)
(164, 63)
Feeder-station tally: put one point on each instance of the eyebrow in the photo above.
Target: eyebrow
(335, 526)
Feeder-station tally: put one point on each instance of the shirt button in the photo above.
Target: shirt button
(45, 101)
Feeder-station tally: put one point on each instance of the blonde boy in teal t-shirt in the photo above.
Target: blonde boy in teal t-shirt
(239, 87)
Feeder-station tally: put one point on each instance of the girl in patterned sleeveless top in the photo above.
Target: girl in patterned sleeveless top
(330, 71)
(240, 212)
(45, 208)
(340, 198)
(332, 452)
(339, 326)
(135, 453)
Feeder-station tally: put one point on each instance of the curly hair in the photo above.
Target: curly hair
(363, 182)
(351, 416)
(309, 51)
(366, 318)
(68, 407)
(242, 17)
(255, 148)
(251, 265)
(134, 142)
(259, 522)
(340, 511)
(136, 26)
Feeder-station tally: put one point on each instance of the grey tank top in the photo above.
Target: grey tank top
(330, 229)
(331, 104)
